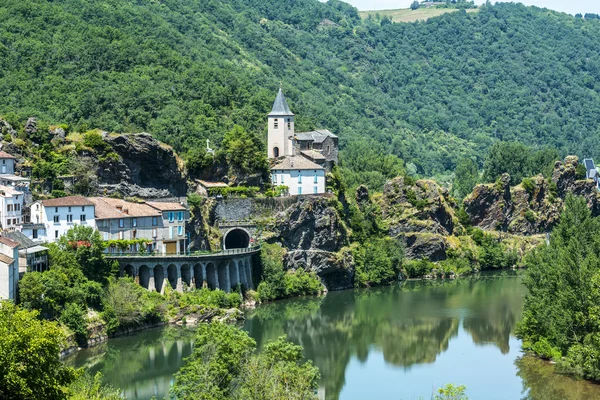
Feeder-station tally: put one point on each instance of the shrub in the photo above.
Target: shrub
(74, 317)
(377, 262)
(529, 216)
(528, 185)
(418, 268)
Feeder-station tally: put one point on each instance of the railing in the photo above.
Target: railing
(227, 252)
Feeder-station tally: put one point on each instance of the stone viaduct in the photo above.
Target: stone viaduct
(223, 270)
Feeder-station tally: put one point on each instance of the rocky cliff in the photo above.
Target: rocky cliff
(534, 205)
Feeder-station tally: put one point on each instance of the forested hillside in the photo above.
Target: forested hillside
(428, 93)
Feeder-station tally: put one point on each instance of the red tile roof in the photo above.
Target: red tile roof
(4, 154)
(9, 242)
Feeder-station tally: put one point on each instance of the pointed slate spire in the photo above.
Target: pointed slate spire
(280, 106)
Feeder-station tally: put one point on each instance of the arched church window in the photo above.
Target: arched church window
(275, 123)
(276, 151)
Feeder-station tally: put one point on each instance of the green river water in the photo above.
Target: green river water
(397, 342)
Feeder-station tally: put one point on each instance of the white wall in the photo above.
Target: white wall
(46, 217)
(7, 166)
(279, 137)
(14, 200)
(300, 181)
(9, 275)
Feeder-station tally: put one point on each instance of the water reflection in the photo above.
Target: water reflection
(410, 324)
(143, 364)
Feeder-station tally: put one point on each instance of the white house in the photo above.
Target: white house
(9, 269)
(300, 175)
(59, 215)
(11, 208)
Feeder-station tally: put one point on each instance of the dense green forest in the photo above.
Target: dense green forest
(429, 93)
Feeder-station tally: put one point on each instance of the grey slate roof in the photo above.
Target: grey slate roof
(280, 106)
(295, 162)
(589, 164)
(317, 136)
(18, 237)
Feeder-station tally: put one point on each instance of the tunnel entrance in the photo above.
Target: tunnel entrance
(237, 239)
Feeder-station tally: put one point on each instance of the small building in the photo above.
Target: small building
(204, 187)
(11, 208)
(174, 219)
(32, 256)
(591, 172)
(9, 269)
(299, 174)
(7, 163)
(59, 215)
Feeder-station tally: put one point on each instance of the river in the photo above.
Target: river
(396, 342)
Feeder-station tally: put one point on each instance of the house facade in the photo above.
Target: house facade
(300, 175)
(9, 269)
(7, 163)
(11, 208)
(162, 224)
(59, 215)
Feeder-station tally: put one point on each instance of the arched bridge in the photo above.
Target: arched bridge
(223, 270)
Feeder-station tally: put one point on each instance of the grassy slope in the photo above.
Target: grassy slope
(408, 15)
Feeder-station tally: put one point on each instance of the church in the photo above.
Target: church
(300, 160)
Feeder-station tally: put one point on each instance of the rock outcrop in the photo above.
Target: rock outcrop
(144, 168)
(534, 205)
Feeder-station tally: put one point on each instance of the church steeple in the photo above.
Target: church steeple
(280, 106)
(281, 128)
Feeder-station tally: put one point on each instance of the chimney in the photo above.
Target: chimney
(126, 211)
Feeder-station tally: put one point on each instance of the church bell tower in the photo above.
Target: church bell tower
(281, 128)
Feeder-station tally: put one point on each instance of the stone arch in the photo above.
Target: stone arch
(198, 277)
(233, 275)
(144, 272)
(186, 275)
(129, 270)
(236, 238)
(172, 275)
(159, 278)
(211, 276)
(223, 270)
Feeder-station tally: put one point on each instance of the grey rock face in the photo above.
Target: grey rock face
(335, 273)
(31, 126)
(6, 128)
(145, 168)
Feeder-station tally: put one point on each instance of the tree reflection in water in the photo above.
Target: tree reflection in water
(411, 323)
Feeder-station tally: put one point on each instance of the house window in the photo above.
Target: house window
(105, 235)
(56, 221)
(282, 176)
(82, 217)
(180, 216)
(121, 235)
(133, 221)
(316, 190)
(171, 216)
(316, 179)
(327, 149)
(37, 207)
(274, 178)
(289, 121)
(69, 218)
(15, 221)
(121, 222)
(56, 209)
(8, 221)
(55, 234)
(154, 233)
(9, 207)
(82, 208)
(17, 197)
(170, 232)
(300, 190)
(180, 230)
(35, 233)
(275, 123)
(134, 234)
(17, 207)
(275, 151)
(299, 177)
(69, 209)
(154, 221)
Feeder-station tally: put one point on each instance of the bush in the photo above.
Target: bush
(528, 185)
(75, 318)
(529, 216)
(377, 262)
(418, 268)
